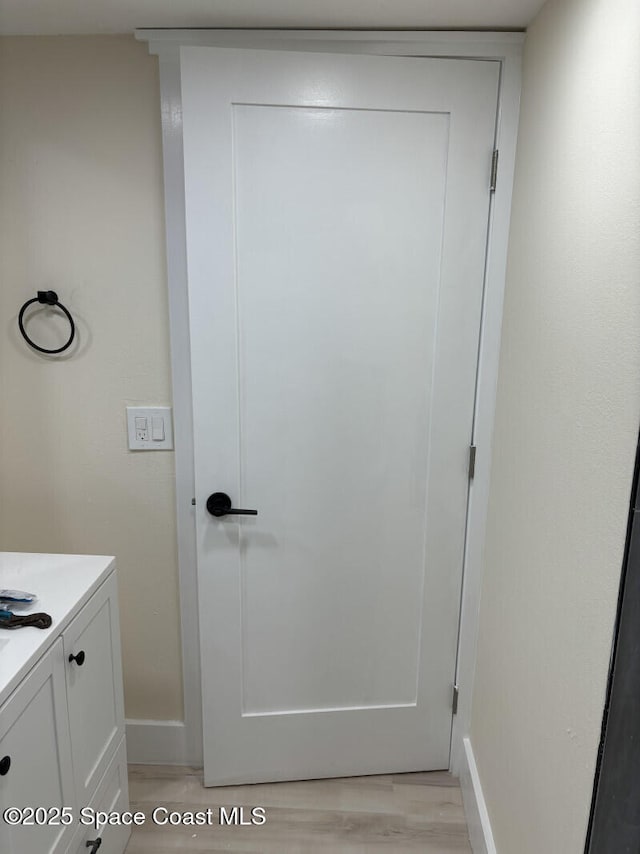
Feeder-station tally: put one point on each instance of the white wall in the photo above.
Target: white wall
(81, 211)
(567, 419)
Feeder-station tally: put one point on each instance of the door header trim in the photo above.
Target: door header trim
(470, 44)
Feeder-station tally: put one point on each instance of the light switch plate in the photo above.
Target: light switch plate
(143, 425)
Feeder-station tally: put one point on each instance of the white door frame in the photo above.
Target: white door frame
(505, 48)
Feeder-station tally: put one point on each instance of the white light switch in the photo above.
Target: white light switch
(149, 428)
(157, 429)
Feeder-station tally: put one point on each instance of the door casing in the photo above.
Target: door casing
(182, 743)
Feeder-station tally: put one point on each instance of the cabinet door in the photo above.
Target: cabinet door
(94, 689)
(34, 739)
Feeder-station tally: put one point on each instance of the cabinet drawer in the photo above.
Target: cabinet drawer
(111, 795)
(94, 689)
(34, 739)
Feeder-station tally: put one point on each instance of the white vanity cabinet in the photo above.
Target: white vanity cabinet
(35, 756)
(112, 795)
(62, 744)
(94, 688)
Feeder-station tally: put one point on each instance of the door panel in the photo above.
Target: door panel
(330, 441)
(336, 226)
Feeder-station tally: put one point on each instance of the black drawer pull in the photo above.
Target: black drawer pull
(94, 844)
(5, 764)
(79, 659)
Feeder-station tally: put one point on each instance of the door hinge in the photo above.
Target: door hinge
(454, 700)
(472, 461)
(494, 170)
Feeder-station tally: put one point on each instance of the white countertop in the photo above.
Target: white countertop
(63, 583)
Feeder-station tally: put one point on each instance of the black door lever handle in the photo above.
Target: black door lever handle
(219, 504)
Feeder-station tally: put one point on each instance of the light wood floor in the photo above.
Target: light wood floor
(397, 813)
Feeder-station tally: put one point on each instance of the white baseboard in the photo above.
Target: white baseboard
(157, 743)
(475, 808)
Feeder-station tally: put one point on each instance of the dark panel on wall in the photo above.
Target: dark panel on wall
(615, 816)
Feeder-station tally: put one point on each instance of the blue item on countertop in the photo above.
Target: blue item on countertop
(17, 596)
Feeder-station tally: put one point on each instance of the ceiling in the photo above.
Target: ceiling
(51, 17)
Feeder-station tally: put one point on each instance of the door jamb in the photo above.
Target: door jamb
(502, 47)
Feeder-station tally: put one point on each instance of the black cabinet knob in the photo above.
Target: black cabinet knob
(5, 764)
(219, 504)
(79, 658)
(94, 844)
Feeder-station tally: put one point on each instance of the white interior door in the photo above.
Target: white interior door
(337, 212)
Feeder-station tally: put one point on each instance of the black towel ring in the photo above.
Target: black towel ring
(46, 298)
